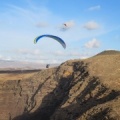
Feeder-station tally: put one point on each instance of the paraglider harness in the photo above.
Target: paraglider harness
(47, 66)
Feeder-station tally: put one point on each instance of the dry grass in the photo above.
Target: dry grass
(15, 76)
(107, 68)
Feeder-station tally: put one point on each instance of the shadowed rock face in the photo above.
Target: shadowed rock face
(71, 91)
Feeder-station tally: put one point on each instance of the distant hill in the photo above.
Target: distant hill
(86, 89)
(14, 65)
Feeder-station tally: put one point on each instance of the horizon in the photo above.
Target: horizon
(23, 65)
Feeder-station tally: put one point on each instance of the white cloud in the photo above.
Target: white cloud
(91, 25)
(1, 57)
(75, 53)
(29, 52)
(5, 57)
(67, 54)
(72, 54)
(81, 55)
(59, 53)
(94, 43)
(94, 8)
(41, 24)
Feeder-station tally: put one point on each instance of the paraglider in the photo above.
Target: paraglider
(51, 36)
(65, 24)
(48, 65)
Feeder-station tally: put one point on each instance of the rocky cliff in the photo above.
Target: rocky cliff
(76, 90)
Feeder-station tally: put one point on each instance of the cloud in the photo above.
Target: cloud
(94, 43)
(67, 54)
(41, 24)
(28, 52)
(98, 7)
(73, 54)
(59, 53)
(91, 25)
(5, 57)
(1, 57)
(67, 25)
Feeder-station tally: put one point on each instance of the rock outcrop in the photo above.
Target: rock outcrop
(76, 90)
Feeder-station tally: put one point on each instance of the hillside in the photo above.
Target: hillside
(76, 90)
(109, 52)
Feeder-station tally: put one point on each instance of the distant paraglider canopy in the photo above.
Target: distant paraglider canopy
(51, 36)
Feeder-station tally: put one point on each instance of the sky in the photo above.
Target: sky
(86, 26)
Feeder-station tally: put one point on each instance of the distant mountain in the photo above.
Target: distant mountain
(7, 64)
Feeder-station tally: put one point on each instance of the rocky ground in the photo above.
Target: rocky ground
(76, 90)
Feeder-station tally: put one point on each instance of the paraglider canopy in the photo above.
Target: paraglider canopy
(51, 36)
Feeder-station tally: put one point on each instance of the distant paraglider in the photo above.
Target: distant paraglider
(65, 24)
(51, 36)
(48, 65)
